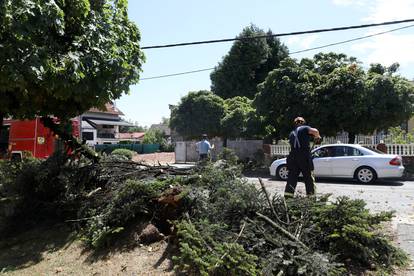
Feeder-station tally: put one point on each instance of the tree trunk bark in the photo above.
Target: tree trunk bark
(1, 122)
(224, 142)
(351, 138)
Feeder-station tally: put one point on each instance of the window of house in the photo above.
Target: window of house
(88, 136)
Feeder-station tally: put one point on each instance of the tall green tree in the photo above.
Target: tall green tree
(390, 100)
(197, 113)
(340, 102)
(334, 94)
(247, 64)
(240, 119)
(286, 93)
(62, 57)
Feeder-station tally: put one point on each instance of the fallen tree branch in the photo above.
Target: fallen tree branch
(269, 201)
(281, 230)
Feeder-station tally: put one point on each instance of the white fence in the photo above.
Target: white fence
(399, 149)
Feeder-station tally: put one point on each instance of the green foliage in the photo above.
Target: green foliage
(240, 119)
(334, 93)
(225, 224)
(45, 189)
(64, 57)
(154, 136)
(399, 136)
(202, 255)
(225, 210)
(390, 100)
(133, 200)
(131, 129)
(13, 173)
(231, 118)
(348, 230)
(286, 93)
(228, 155)
(124, 152)
(339, 100)
(197, 113)
(247, 64)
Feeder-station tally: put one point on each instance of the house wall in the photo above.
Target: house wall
(185, 151)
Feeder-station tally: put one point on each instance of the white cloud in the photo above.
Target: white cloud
(387, 10)
(381, 10)
(349, 2)
(387, 49)
(302, 42)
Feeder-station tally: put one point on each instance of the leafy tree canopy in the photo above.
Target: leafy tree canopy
(334, 94)
(247, 64)
(61, 57)
(197, 113)
(286, 93)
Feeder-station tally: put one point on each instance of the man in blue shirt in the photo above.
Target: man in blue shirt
(204, 148)
(300, 159)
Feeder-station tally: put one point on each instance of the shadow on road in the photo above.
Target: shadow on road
(381, 182)
(334, 181)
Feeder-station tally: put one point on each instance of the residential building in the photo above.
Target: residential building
(102, 126)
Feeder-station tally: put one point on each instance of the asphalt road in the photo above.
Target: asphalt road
(381, 196)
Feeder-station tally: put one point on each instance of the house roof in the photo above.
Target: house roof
(133, 135)
(110, 108)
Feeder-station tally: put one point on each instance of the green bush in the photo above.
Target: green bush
(166, 147)
(153, 136)
(348, 230)
(327, 236)
(124, 152)
(132, 200)
(202, 255)
(229, 155)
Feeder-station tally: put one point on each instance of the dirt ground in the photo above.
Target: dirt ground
(153, 158)
(56, 251)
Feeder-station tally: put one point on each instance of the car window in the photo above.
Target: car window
(354, 152)
(339, 151)
(322, 152)
(374, 150)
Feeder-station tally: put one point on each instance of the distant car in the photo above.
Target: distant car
(347, 161)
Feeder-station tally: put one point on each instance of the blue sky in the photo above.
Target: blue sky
(168, 21)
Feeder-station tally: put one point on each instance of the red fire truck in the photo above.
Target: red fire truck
(32, 136)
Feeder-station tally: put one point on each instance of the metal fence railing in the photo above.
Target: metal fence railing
(398, 149)
(139, 148)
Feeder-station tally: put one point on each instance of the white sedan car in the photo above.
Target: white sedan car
(347, 161)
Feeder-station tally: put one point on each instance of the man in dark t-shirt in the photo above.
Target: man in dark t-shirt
(300, 159)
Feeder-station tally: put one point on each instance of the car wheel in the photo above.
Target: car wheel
(282, 172)
(365, 175)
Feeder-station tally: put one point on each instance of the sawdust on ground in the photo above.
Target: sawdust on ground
(154, 158)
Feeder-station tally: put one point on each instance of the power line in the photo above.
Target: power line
(292, 53)
(351, 40)
(279, 35)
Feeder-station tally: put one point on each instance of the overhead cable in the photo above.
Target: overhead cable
(279, 35)
(292, 53)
